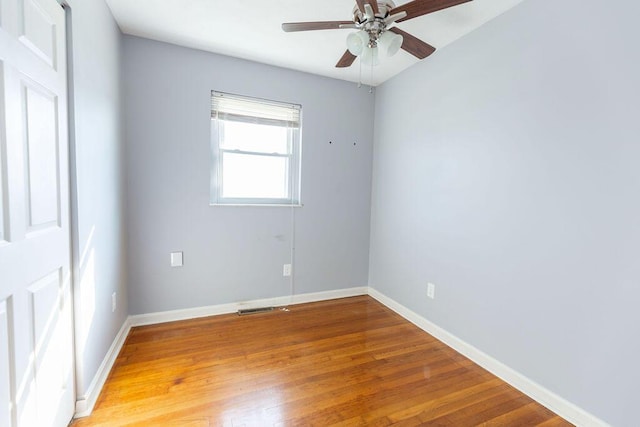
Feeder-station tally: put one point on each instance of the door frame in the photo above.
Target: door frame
(73, 193)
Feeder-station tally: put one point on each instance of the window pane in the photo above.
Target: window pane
(254, 137)
(251, 176)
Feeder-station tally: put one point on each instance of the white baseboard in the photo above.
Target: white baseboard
(212, 310)
(547, 398)
(562, 407)
(86, 402)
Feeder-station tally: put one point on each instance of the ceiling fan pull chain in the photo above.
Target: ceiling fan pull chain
(371, 81)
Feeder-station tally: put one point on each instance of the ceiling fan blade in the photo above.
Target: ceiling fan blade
(374, 6)
(417, 8)
(309, 26)
(372, 3)
(346, 60)
(414, 45)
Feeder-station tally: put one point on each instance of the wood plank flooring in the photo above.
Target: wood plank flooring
(345, 362)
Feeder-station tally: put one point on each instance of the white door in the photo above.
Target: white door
(36, 356)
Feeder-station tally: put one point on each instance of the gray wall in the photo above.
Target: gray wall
(236, 253)
(506, 172)
(98, 205)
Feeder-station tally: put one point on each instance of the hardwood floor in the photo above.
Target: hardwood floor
(346, 362)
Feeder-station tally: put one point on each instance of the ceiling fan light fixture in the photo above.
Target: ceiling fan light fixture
(357, 42)
(390, 43)
(370, 56)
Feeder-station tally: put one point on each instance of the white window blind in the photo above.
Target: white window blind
(225, 106)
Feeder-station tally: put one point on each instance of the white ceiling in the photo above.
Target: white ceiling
(250, 29)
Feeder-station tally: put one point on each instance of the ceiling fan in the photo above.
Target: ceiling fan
(374, 20)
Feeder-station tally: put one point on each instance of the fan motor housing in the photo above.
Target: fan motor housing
(383, 10)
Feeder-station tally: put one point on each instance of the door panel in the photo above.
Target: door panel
(35, 290)
(41, 166)
(3, 149)
(3, 6)
(39, 30)
(50, 339)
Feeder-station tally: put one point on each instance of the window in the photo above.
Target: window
(256, 151)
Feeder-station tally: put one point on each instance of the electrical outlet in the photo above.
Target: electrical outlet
(431, 290)
(286, 270)
(114, 302)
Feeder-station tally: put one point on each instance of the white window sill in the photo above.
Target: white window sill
(257, 205)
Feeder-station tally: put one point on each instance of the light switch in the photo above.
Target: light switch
(176, 259)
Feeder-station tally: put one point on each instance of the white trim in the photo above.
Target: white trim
(547, 398)
(212, 310)
(86, 402)
(259, 205)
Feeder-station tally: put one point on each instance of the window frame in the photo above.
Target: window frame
(293, 156)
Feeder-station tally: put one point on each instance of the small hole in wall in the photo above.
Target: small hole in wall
(330, 142)
(354, 143)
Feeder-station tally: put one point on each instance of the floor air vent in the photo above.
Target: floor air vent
(255, 310)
